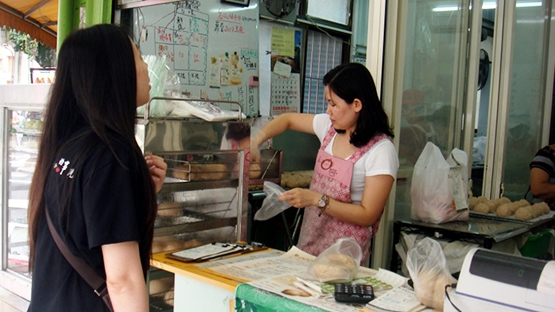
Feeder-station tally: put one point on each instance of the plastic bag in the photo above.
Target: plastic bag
(164, 83)
(479, 151)
(429, 273)
(439, 188)
(339, 263)
(271, 206)
(208, 111)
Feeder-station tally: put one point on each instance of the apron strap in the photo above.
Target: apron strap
(362, 150)
(327, 139)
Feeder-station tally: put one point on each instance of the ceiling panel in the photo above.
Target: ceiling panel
(42, 13)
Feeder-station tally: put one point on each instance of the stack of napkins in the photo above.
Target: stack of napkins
(399, 298)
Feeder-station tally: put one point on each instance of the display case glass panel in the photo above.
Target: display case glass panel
(22, 131)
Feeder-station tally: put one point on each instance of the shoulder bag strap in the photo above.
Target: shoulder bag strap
(87, 273)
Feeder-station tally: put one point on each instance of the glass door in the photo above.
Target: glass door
(433, 66)
(477, 134)
(478, 80)
(520, 97)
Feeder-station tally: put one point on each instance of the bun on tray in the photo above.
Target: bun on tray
(201, 172)
(336, 268)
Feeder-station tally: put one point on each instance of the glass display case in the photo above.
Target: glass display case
(204, 197)
(21, 117)
(22, 130)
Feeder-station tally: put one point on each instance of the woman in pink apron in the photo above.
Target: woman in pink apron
(355, 167)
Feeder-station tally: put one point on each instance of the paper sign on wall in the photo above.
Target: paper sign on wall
(283, 40)
(282, 69)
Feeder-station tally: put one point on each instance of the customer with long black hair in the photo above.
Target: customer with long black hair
(92, 179)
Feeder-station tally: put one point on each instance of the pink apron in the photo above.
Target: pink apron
(332, 176)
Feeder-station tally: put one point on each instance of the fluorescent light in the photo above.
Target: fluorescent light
(445, 8)
(488, 5)
(528, 4)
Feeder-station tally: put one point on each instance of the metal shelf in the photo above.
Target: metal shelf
(198, 185)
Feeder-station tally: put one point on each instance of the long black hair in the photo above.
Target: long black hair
(353, 81)
(94, 94)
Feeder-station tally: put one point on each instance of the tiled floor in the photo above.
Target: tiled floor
(10, 302)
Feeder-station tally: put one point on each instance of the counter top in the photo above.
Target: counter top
(258, 280)
(160, 261)
(201, 271)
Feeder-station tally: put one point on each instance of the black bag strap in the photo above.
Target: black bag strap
(87, 273)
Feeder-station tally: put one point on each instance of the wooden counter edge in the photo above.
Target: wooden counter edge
(160, 261)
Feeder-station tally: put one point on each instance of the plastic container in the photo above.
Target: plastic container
(537, 245)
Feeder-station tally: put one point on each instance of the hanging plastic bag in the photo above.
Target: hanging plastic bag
(339, 263)
(439, 188)
(209, 111)
(164, 83)
(271, 206)
(429, 273)
(458, 176)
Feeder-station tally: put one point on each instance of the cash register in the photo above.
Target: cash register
(495, 281)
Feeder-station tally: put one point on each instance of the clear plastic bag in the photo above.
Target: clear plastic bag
(439, 188)
(429, 272)
(271, 206)
(339, 263)
(209, 111)
(164, 83)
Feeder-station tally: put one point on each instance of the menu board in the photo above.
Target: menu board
(211, 46)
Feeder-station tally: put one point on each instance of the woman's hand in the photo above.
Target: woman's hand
(157, 168)
(254, 153)
(300, 198)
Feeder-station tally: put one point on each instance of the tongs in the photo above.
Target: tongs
(269, 164)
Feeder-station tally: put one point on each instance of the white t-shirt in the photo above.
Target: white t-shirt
(379, 160)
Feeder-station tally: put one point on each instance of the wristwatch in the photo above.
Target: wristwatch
(323, 203)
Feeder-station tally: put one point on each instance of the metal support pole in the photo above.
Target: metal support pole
(65, 21)
(98, 12)
(69, 15)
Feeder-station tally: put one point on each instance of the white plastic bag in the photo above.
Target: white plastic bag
(439, 187)
(208, 111)
(164, 83)
(429, 273)
(271, 206)
(479, 152)
(458, 176)
(339, 263)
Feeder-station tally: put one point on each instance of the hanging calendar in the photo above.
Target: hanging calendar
(286, 92)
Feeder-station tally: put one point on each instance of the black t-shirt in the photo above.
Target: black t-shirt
(107, 206)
